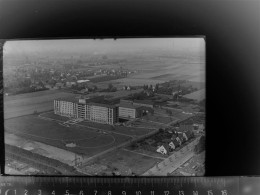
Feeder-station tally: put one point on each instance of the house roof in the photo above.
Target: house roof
(68, 99)
(166, 146)
(181, 136)
(175, 142)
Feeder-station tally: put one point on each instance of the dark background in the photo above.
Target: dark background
(232, 30)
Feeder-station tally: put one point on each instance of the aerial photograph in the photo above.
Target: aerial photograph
(105, 107)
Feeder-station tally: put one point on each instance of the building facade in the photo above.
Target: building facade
(87, 110)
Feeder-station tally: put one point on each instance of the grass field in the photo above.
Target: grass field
(88, 141)
(24, 104)
(117, 129)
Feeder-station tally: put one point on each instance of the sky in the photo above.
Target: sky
(100, 46)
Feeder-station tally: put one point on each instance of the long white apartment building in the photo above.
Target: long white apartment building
(86, 109)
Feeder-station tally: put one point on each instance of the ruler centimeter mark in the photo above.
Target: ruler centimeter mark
(108, 186)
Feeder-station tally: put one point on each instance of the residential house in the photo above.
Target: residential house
(163, 149)
(188, 135)
(174, 144)
(48, 86)
(179, 140)
(181, 137)
(59, 85)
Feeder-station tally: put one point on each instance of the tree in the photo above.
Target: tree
(110, 86)
(156, 87)
(95, 88)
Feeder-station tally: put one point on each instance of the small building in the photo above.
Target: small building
(182, 138)
(178, 140)
(188, 135)
(59, 85)
(129, 111)
(163, 149)
(174, 144)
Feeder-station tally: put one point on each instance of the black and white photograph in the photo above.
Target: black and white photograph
(105, 107)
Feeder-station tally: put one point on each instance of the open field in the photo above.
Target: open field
(171, 68)
(88, 141)
(24, 104)
(126, 162)
(132, 82)
(159, 119)
(132, 131)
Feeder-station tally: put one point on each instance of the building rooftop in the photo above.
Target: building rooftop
(126, 105)
(101, 105)
(76, 99)
(68, 99)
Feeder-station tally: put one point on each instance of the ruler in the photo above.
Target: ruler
(28, 185)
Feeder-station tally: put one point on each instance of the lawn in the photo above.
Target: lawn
(88, 141)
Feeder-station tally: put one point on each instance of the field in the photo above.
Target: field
(90, 138)
(126, 162)
(88, 141)
(159, 119)
(24, 104)
(132, 131)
